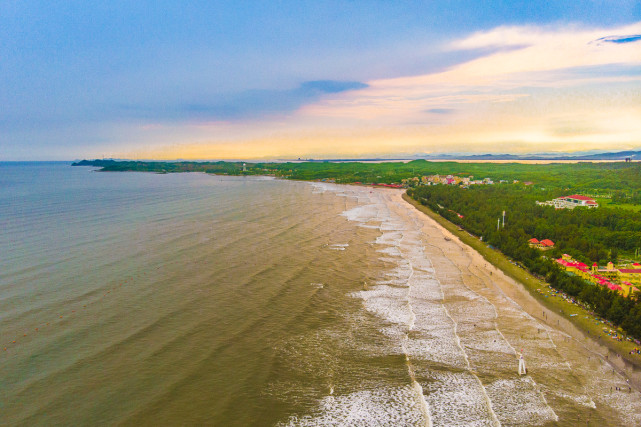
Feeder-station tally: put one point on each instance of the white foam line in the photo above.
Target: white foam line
(469, 368)
(425, 409)
(409, 291)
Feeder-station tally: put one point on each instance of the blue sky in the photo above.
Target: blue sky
(213, 79)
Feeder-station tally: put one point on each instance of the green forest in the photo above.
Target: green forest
(589, 235)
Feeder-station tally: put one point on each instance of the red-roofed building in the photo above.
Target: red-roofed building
(631, 275)
(544, 244)
(577, 200)
(579, 197)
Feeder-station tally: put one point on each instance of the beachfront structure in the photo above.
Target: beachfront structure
(570, 202)
(544, 245)
(622, 280)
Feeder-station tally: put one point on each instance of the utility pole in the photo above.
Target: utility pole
(498, 224)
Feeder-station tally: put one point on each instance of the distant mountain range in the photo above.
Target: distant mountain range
(620, 155)
(585, 155)
(588, 155)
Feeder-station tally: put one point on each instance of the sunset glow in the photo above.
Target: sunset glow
(556, 84)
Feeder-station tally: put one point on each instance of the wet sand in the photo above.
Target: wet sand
(569, 371)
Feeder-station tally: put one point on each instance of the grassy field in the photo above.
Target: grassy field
(538, 289)
(607, 203)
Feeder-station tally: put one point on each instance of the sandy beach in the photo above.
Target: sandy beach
(495, 316)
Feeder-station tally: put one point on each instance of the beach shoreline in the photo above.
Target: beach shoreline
(525, 296)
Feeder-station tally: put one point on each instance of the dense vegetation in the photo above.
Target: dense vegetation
(577, 177)
(590, 235)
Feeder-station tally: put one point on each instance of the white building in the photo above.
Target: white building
(571, 202)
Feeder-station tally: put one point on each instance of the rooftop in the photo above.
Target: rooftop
(578, 197)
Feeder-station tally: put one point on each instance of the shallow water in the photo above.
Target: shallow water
(186, 299)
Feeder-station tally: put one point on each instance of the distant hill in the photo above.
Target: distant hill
(620, 155)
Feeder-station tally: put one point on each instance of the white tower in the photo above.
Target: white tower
(244, 167)
(522, 368)
(503, 219)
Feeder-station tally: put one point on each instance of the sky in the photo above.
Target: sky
(286, 79)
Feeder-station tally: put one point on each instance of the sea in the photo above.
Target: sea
(191, 299)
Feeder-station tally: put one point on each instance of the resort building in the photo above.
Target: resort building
(630, 275)
(622, 280)
(571, 202)
(544, 245)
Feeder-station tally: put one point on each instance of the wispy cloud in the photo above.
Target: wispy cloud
(619, 39)
(249, 104)
(440, 110)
